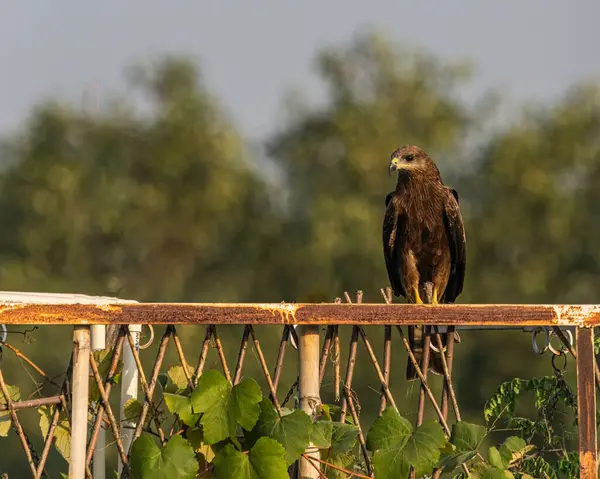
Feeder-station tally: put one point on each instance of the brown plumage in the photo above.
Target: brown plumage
(424, 242)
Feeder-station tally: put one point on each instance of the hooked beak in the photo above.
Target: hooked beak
(393, 165)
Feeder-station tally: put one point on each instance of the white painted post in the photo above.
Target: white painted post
(308, 386)
(99, 469)
(129, 386)
(79, 413)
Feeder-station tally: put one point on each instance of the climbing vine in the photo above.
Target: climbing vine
(218, 430)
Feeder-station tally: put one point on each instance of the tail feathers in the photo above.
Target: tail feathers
(416, 339)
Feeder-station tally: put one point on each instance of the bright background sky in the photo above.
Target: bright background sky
(251, 51)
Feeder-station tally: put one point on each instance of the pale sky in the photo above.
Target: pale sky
(252, 50)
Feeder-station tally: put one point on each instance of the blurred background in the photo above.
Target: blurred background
(238, 151)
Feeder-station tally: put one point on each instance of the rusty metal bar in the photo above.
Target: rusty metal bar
(299, 313)
(586, 404)
(571, 349)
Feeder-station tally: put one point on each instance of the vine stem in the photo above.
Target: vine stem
(337, 468)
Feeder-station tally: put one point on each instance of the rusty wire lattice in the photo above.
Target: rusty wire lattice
(352, 312)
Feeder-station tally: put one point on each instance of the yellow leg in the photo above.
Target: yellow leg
(418, 299)
(434, 300)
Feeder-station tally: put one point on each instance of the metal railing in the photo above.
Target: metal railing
(89, 315)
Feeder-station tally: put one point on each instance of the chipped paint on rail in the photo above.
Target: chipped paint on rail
(576, 314)
(286, 311)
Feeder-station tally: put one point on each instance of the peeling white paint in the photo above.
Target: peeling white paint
(22, 298)
(574, 314)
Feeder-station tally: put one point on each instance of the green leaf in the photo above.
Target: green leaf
(450, 462)
(320, 434)
(176, 460)
(499, 459)
(291, 431)
(5, 422)
(397, 447)
(515, 443)
(132, 410)
(62, 433)
(345, 461)
(466, 436)
(343, 437)
(224, 406)
(482, 470)
(13, 392)
(182, 406)
(177, 376)
(464, 441)
(266, 460)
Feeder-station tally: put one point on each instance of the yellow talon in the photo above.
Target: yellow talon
(418, 299)
(434, 300)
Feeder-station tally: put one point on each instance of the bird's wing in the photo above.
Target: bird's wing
(457, 240)
(393, 222)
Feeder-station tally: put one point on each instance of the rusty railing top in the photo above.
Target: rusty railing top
(42, 308)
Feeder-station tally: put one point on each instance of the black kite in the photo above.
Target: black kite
(424, 240)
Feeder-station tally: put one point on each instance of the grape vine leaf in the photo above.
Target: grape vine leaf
(464, 441)
(343, 439)
(182, 407)
(5, 422)
(397, 446)
(176, 460)
(500, 459)
(204, 453)
(292, 431)
(266, 460)
(320, 434)
(177, 376)
(132, 409)
(62, 433)
(5, 419)
(481, 470)
(223, 406)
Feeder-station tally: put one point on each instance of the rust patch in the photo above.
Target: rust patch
(298, 313)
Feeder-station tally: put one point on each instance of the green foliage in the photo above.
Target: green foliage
(5, 421)
(291, 430)
(132, 410)
(62, 433)
(397, 447)
(223, 407)
(266, 460)
(174, 461)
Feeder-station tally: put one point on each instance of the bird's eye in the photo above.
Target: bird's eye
(409, 157)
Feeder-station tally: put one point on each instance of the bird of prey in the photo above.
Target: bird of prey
(424, 241)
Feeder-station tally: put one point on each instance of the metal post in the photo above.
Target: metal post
(98, 332)
(586, 404)
(79, 413)
(129, 387)
(308, 388)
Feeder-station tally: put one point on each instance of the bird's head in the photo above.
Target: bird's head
(409, 158)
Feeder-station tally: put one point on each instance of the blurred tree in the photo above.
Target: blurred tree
(531, 201)
(165, 207)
